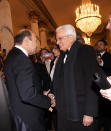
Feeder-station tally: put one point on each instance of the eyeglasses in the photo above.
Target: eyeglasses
(60, 38)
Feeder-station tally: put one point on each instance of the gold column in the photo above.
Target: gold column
(6, 30)
(43, 35)
(34, 26)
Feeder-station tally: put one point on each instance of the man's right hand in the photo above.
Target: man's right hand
(52, 97)
(50, 109)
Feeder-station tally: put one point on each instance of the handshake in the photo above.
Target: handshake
(52, 97)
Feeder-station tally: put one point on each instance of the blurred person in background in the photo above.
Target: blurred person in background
(107, 93)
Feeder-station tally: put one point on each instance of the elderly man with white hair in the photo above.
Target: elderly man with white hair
(75, 99)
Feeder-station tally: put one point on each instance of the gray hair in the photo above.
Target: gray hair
(68, 29)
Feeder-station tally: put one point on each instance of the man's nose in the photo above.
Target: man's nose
(57, 42)
(107, 27)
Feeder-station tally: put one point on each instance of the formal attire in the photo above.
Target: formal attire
(106, 63)
(44, 75)
(25, 93)
(72, 83)
(104, 104)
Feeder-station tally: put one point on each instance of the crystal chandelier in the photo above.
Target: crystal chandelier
(88, 17)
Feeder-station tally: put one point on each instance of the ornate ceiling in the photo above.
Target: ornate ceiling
(54, 13)
(63, 11)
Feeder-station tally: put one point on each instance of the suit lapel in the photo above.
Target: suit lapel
(59, 65)
(72, 55)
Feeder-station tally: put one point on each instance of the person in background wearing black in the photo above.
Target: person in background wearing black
(107, 92)
(104, 62)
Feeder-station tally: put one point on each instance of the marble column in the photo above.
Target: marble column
(34, 26)
(6, 30)
(43, 37)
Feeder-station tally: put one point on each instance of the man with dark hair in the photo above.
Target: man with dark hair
(107, 93)
(20, 37)
(106, 104)
(103, 57)
(104, 62)
(25, 93)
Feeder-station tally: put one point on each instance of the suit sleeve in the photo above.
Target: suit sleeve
(91, 99)
(29, 92)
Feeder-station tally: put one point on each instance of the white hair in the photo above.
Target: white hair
(68, 29)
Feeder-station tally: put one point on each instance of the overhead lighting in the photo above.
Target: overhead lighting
(87, 40)
(88, 17)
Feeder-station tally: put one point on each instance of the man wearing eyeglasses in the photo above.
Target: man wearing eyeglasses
(76, 102)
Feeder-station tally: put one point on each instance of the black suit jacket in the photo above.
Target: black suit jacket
(44, 76)
(25, 92)
(74, 94)
(107, 63)
(104, 104)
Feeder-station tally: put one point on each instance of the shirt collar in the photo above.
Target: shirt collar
(102, 53)
(22, 49)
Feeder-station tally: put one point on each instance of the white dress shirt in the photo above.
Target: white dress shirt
(22, 49)
(53, 68)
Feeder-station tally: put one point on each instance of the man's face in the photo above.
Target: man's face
(109, 24)
(63, 40)
(33, 45)
(100, 46)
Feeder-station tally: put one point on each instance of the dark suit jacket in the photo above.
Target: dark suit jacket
(107, 63)
(25, 92)
(73, 81)
(104, 104)
(44, 76)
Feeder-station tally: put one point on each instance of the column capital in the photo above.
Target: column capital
(34, 17)
(51, 33)
(42, 24)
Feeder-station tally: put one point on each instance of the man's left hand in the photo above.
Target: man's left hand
(87, 120)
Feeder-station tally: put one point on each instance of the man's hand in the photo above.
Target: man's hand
(46, 92)
(87, 120)
(106, 93)
(109, 79)
(52, 97)
(50, 109)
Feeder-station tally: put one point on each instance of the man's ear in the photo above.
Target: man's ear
(26, 41)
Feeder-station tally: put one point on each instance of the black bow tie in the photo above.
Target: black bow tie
(98, 54)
